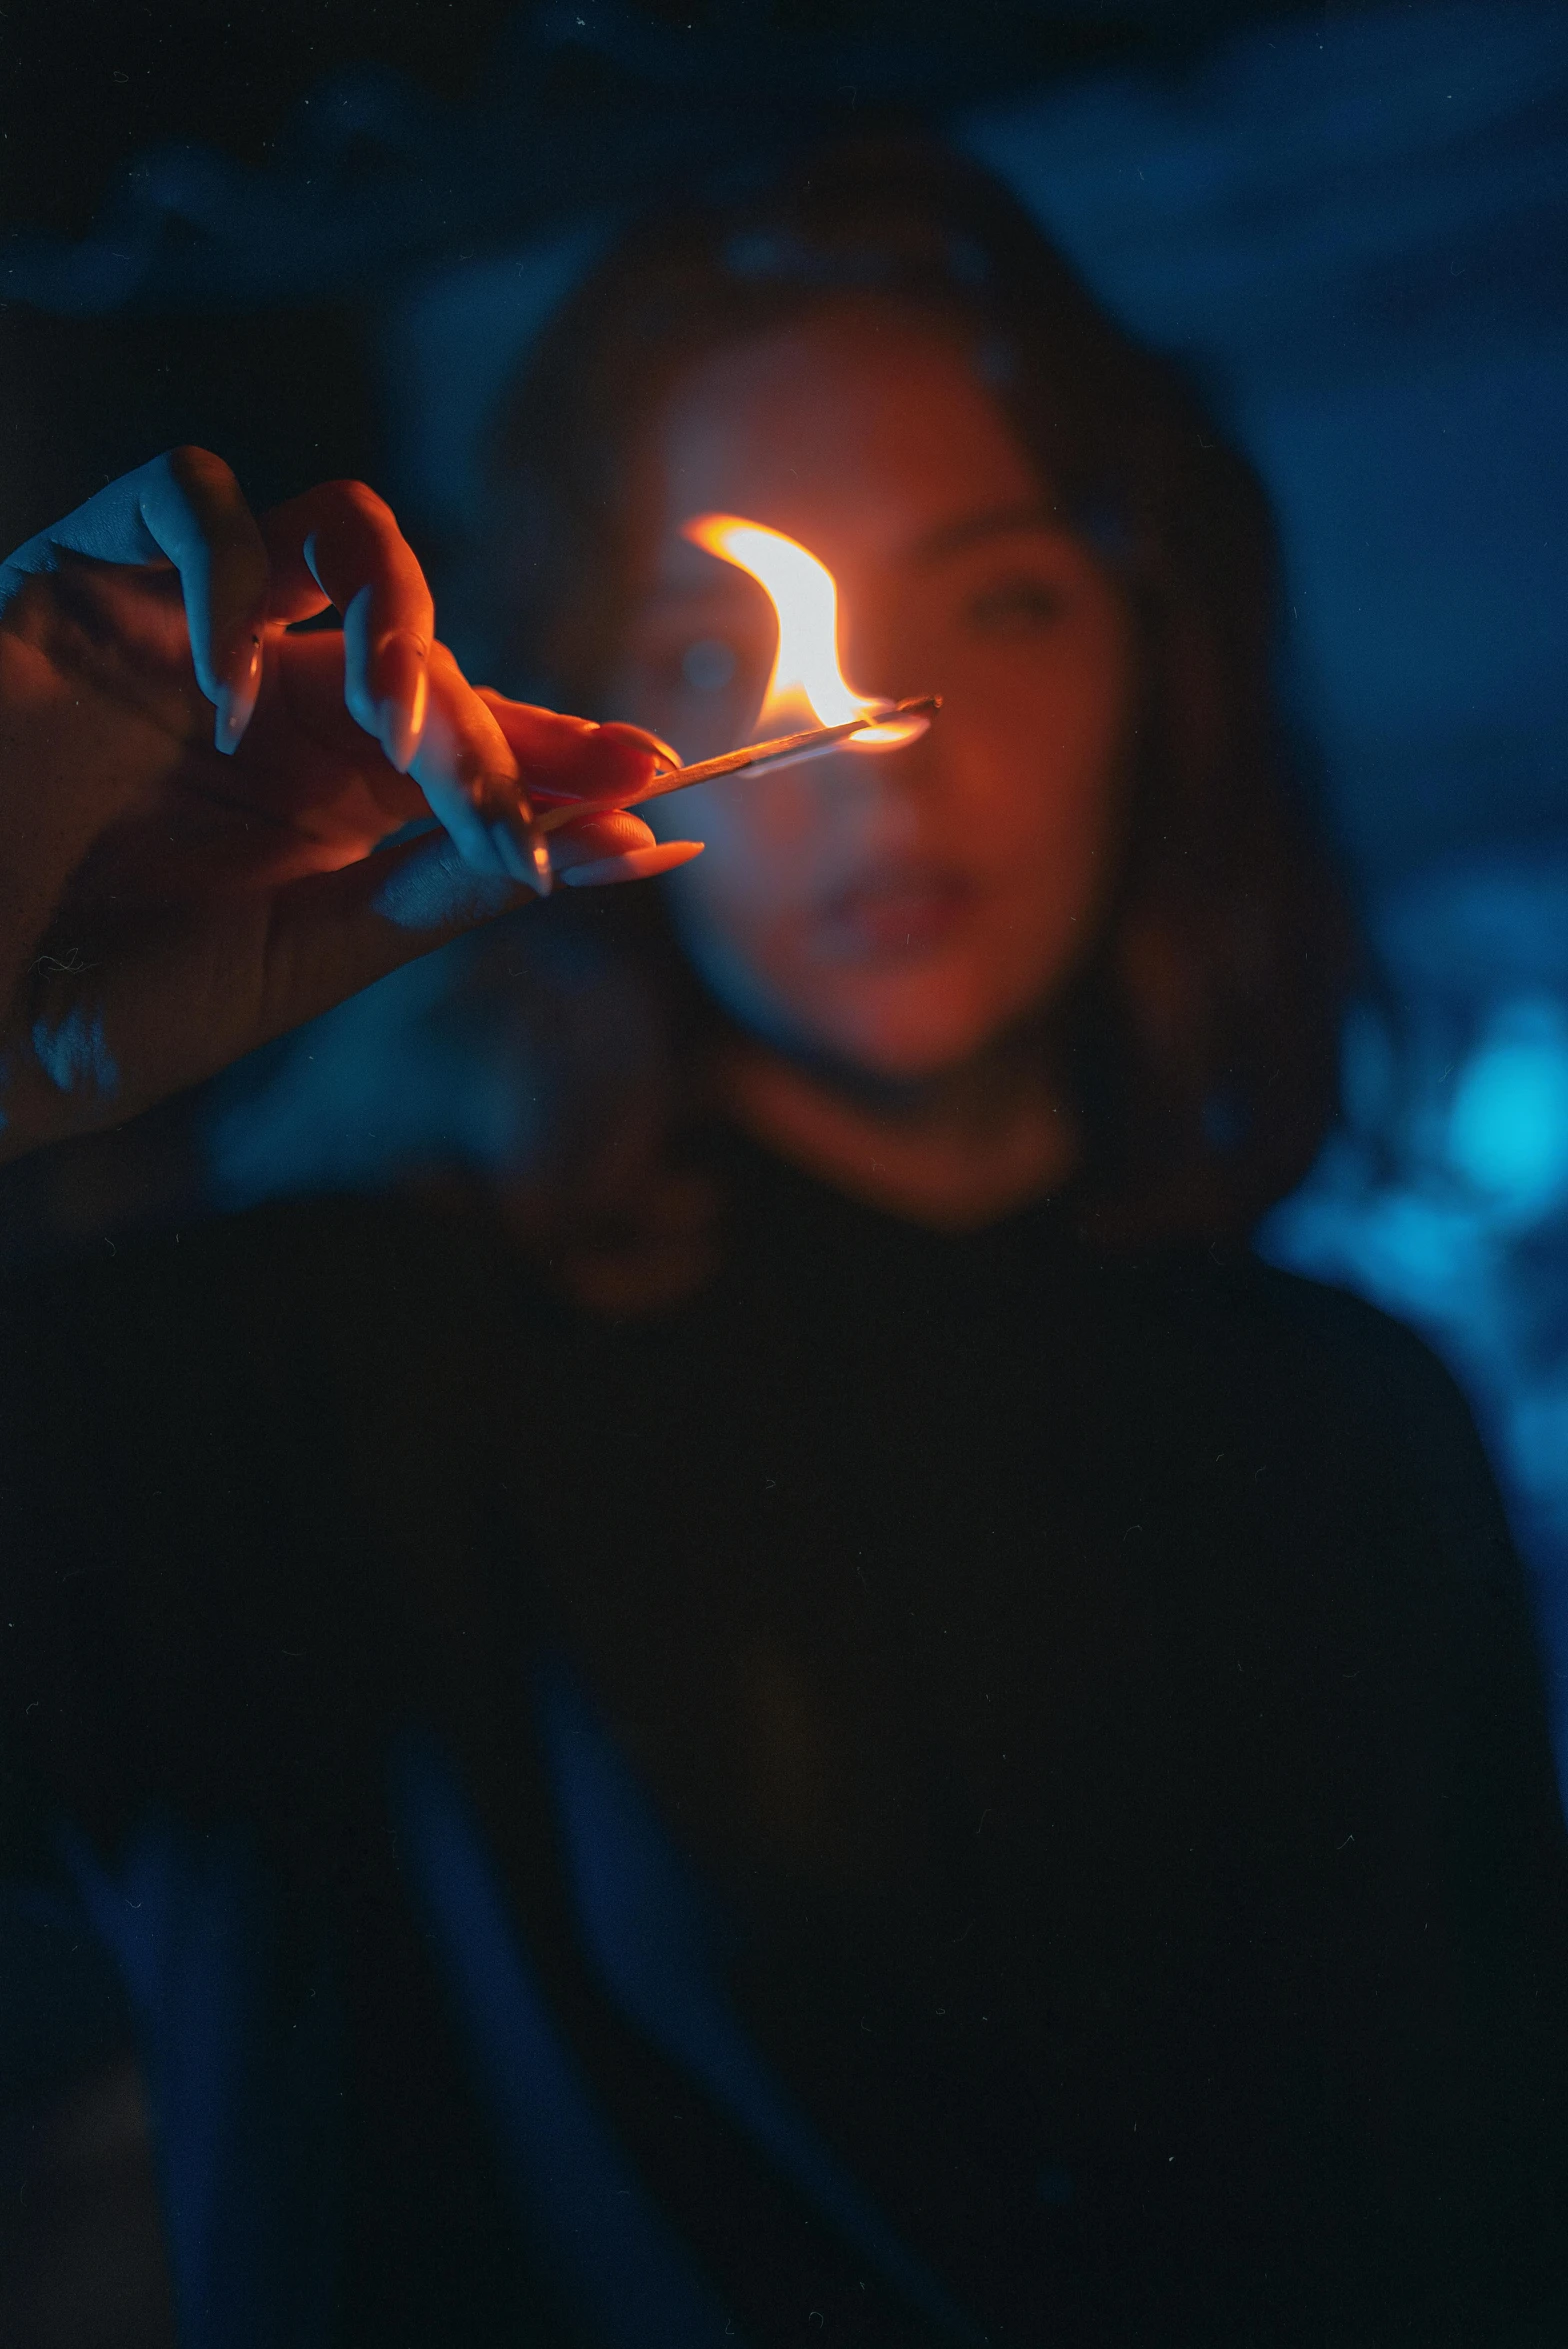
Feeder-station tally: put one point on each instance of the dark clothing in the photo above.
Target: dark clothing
(1089, 1705)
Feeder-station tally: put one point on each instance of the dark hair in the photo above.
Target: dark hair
(1200, 1035)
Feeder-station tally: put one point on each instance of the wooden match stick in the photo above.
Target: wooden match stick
(757, 754)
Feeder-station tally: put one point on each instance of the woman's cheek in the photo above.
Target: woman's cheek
(744, 899)
(754, 825)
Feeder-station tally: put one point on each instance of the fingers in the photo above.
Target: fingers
(601, 850)
(640, 864)
(101, 1043)
(194, 509)
(374, 915)
(467, 771)
(340, 544)
(187, 508)
(571, 758)
(463, 771)
(327, 936)
(472, 750)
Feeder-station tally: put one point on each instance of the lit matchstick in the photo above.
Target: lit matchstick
(806, 676)
(783, 751)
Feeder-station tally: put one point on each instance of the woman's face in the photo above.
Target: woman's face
(895, 912)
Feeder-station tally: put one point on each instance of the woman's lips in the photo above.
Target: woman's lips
(894, 912)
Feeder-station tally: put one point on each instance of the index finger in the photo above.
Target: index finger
(339, 543)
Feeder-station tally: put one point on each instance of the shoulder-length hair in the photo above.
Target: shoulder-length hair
(1199, 1037)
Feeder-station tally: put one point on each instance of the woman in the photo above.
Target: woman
(879, 1734)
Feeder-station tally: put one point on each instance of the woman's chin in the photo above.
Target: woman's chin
(901, 1036)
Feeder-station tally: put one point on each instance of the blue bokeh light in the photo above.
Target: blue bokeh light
(1508, 1121)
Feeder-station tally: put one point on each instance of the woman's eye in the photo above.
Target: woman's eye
(709, 665)
(1017, 607)
(691, 669)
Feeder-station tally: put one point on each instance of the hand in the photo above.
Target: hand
(174, 891)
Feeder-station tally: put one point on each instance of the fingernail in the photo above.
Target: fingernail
(634, 864)
(507, 850)
(401, 687)
(524, 851)
(237, 698)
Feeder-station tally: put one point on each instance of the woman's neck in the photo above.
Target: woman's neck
(956, 1153)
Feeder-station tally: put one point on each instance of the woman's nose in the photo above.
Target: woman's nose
(897, 779)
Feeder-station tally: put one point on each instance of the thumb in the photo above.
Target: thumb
(295, 952)
(330, 934)
(105, 1042)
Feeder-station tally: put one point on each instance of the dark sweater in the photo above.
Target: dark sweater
(1019, 1779)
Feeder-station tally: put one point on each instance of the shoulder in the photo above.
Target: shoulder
(1250, 1320)
(1374, 1374)
(1326, 1398)
(1356, 1415)
(1346, 1505)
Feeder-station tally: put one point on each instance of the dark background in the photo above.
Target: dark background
(314, 236)
(1353, 219)
(524, 116)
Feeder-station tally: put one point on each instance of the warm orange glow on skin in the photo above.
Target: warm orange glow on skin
(807, 687)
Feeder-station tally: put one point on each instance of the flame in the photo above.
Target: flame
(807, 686)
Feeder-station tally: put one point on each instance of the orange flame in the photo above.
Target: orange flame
(807, 686)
